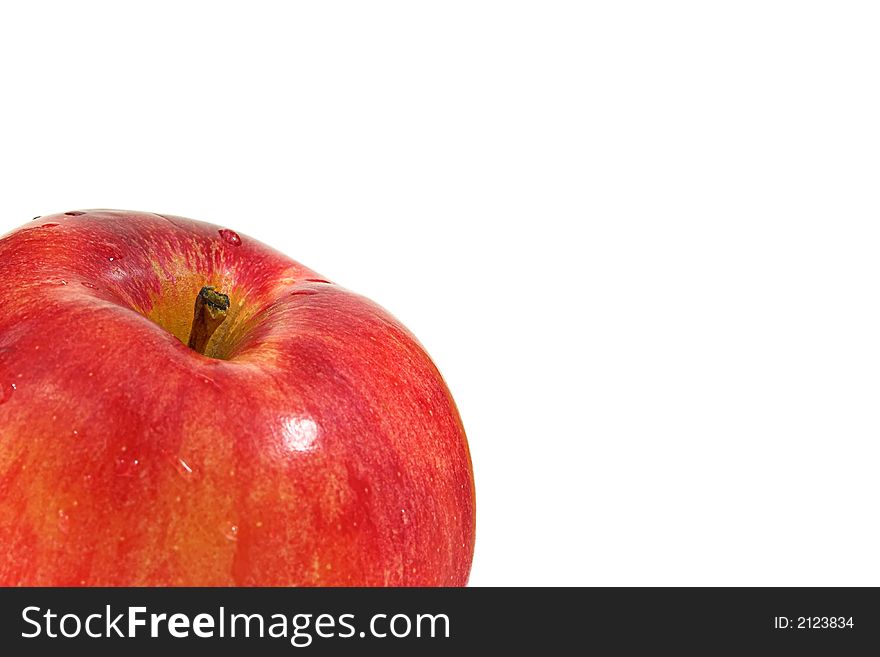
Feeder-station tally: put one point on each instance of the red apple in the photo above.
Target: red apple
(152, 433)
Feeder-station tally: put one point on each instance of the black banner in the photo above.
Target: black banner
(437, 621)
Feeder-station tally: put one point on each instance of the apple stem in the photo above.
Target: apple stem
(209, 312)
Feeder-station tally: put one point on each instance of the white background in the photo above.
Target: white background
(640, 240)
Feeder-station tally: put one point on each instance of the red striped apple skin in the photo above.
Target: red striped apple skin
(314, 444)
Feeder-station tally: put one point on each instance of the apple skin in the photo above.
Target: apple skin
(320, 446)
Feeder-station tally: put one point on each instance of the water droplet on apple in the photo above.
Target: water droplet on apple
(303, 293)
(90, 286)
(230, 531)
(6, 390)
(230, 237)
(183, 468)
(208, 381)
(75, 213)
(63, 521)
(49, 225)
